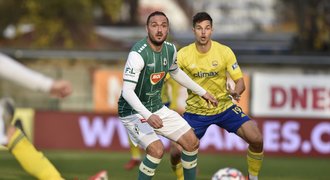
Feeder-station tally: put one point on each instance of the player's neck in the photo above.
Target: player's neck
(203, 48)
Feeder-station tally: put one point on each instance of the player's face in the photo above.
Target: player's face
(203, 31)
(157, 29)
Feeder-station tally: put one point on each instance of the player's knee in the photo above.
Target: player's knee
(194, 145)
(156, 150)
(159, 153)
(257, 142)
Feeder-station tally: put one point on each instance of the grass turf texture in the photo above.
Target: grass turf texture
(81, 165)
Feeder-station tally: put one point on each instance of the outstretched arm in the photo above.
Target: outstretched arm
(183, 79)
(21, 75)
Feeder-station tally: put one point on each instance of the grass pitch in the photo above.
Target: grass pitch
(76, 165)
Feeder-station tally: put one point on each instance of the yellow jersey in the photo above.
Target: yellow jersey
(209, 71)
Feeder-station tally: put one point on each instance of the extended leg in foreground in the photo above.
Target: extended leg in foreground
(32, 161)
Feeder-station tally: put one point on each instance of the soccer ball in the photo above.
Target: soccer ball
(228, 173)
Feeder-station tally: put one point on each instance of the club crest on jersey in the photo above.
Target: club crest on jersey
(164, 61)
(156, 77)
(214, 63)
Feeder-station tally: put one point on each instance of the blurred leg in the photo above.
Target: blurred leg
(175, 158)
(135, 156)
(32, 161)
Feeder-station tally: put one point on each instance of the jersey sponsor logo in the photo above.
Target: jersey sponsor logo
(156, 77)
(205, 74)
(129, 71)
(234, 66)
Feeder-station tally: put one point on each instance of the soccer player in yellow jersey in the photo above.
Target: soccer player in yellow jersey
(207, 62)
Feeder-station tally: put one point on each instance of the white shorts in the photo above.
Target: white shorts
(140, 132)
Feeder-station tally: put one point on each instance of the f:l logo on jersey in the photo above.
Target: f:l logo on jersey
(156, 77)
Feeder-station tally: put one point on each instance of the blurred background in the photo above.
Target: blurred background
(282, 46)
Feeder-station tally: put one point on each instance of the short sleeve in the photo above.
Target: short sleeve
(133, 67)
(232, 65)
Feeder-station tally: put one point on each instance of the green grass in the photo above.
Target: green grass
(81, 165)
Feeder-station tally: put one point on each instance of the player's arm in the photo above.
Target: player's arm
(236, 92)
(236, 75)
(183, 79)
(239, 86)
(21, 75)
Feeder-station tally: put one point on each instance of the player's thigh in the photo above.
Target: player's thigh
(231, 119)
(174, 126)
(139, 131)
(199, 123)
(250, 132)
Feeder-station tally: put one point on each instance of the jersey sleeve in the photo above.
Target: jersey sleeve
(21, 75)
(232, 66)
(133, 67)
(174, 65)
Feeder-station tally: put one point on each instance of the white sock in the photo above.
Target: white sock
(253, 177)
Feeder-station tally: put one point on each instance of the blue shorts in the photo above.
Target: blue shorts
(231, 120)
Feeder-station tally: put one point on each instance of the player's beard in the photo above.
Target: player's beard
(155, 42)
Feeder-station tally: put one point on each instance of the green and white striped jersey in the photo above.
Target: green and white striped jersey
(147, 69)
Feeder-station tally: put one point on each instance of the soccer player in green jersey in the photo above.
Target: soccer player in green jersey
(207, 62)
(140, 107)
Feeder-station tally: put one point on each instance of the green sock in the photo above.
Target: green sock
(147, 167)
(189, 164)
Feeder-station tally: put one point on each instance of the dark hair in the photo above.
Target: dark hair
(201, 16)
(156, 13)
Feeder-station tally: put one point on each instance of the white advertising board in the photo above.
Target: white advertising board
(288, 95)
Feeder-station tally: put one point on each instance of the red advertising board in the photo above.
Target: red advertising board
(95, 131)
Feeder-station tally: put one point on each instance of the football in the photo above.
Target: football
(228, 173)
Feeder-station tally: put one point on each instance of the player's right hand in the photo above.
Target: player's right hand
(61, 89)
(155, 121)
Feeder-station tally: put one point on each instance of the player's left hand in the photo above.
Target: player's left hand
(233, 94)
(210, 99)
